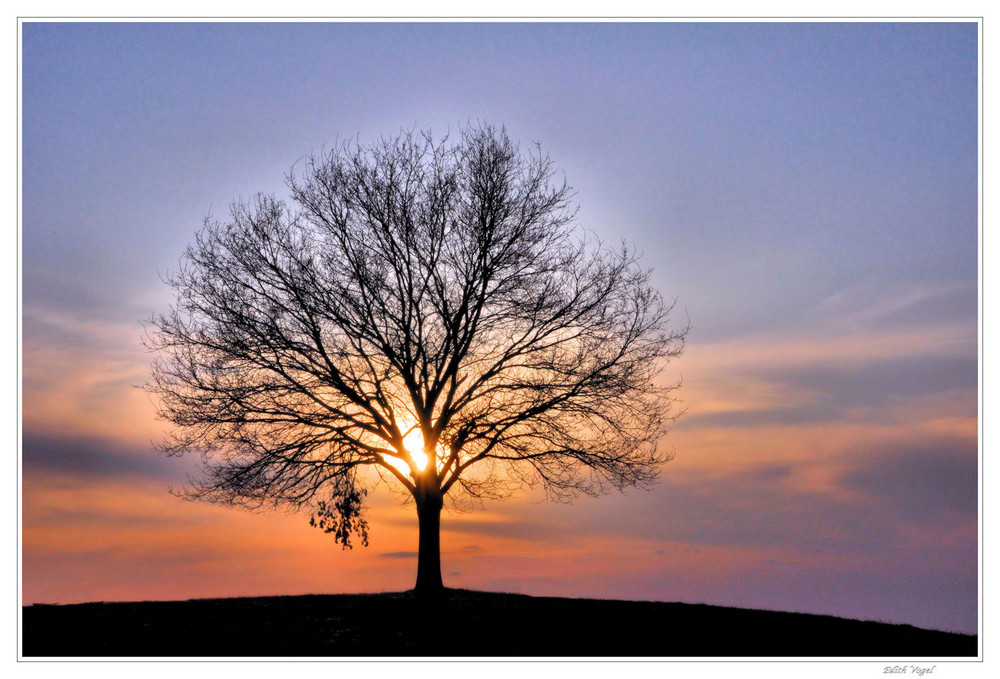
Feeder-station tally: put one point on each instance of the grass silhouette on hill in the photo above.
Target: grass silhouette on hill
(462, 623)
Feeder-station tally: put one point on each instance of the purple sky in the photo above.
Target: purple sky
(808, 192)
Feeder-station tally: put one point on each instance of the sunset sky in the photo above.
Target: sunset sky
(807, 192)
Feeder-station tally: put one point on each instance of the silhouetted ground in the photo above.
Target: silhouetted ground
(463, 624)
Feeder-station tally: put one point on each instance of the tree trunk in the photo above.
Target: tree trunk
(429, 555)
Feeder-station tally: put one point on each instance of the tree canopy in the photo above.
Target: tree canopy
(424, 312)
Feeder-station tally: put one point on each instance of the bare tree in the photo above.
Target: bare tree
(424, 313)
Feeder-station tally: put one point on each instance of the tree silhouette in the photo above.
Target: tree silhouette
(424, 313)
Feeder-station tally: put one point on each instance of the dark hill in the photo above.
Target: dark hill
(463, 624)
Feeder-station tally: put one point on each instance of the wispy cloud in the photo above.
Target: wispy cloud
(93, 457)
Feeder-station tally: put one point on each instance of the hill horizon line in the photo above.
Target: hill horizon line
(394, 592)
(462, 623)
